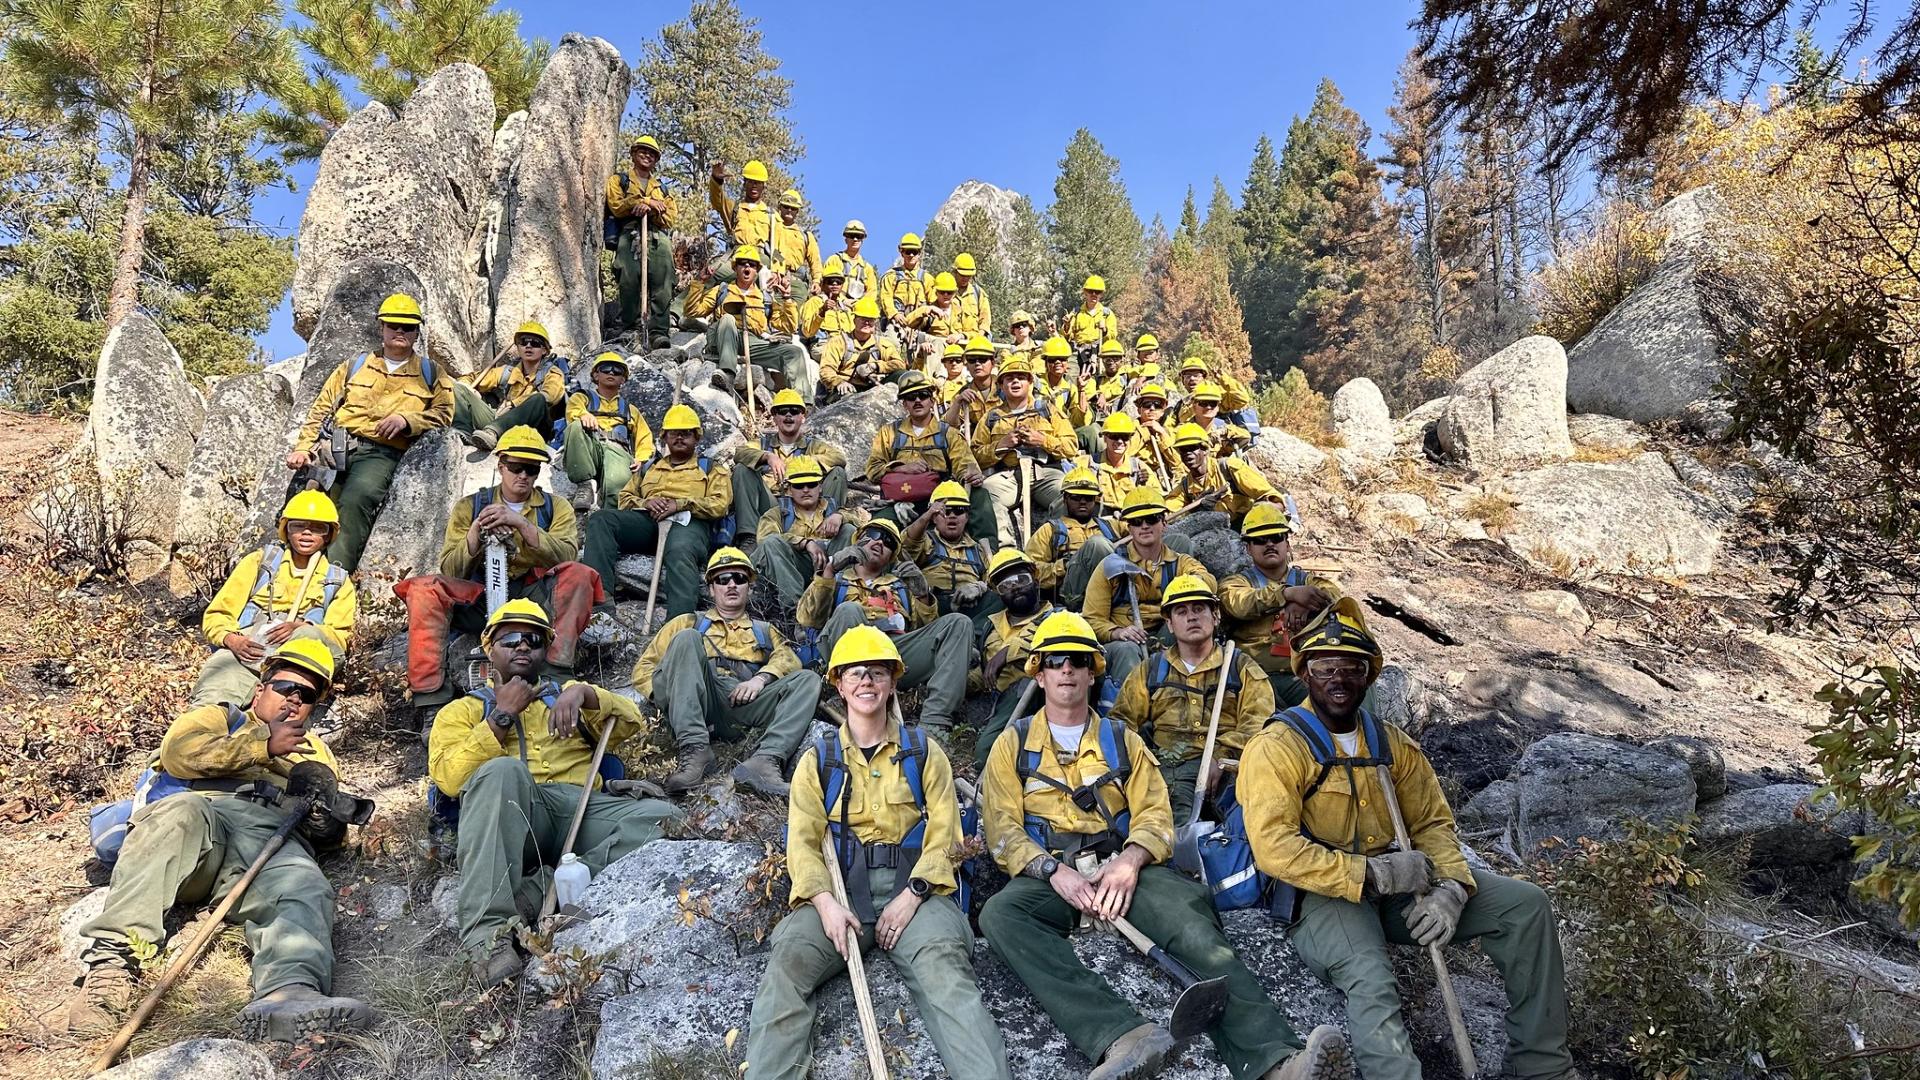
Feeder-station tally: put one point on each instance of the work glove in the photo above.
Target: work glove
(1398, 872)
(913, 579)
(970, 593)
(1431, 918)
(842, 559)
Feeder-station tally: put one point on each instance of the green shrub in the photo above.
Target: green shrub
(1293, 406)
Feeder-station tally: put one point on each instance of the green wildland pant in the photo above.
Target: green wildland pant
(691, 692)
(789, 568)
(471, 413)
(613, 533)
(223, 678)
(659, 283)
(511, 830)
(935, 959)
(937, 656)
(191, 848)
(359, 493)
(785, 357)
(1346, 944)
(751, 499)
(1027, 923)
(1001, 716)
(586, 456)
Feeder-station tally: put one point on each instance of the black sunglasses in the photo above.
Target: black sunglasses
(525, 340)
(731, 577)
(788, 410)
(531, 640)
(1147, 522)
(301, 692)
(398, 328)
(610, 369)
(520, 468)
(801, 485)
(917, 395)
(1077, 661)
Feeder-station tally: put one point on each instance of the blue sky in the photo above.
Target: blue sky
(898, 103)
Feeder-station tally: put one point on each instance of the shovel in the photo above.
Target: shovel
(1117, 565)
(659, 556)
(1201, 1001)
(1187, 838)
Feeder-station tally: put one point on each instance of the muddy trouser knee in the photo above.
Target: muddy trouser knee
(751, 497)
(569, 592)
(223, 678)
(997, 721)
(359, 495)
(783, 710)
(470, 411)
(938, 656)
(587, 457)
(686, 691)
(1080, 569)
(785, 565)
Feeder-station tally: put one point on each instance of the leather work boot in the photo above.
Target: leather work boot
(696, 764)
(503, 964)
(586, 497)
(292, 1013)
(1138, 1054)
(481, 438)
(105, 997)
(761, 772)
(1325, 1057)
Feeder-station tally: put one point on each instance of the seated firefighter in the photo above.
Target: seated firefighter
(1025, 446)
(517, 754)
(680, 492)
(283, 592)
(231, 769)
(744, 319)
(935, 649)
(1067, 550)
(860, 358)
(529, 389)
(1067, 787)
(884, 791)
(954, 562)
(605, 435)
(912, 455)
(1216, 483)
(1270, 600)
(536, 533)
(1123, 594)
(801, 531)
(1320, 826)
(1169, 699)
(760, 465)
(1003, 665)
(722, 673)
(367, 413)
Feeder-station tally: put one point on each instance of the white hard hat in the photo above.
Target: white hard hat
(855, 226)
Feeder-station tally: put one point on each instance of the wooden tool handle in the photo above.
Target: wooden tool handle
(1462, 1042)
(1213, 731)
(856, 968)
(580, 811)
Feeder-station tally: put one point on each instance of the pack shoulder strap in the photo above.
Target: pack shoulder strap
(1320, 743)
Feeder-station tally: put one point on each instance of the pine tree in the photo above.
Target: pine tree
(1423, 165)
(709, 92)
(384, 49)
(1221, 232)
(1256, 269)
(1189, 219)
(147, 74)
(1029, 264)
(1093, 229)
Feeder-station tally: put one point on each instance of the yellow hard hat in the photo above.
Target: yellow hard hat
(1193, 363)
(1020, 315)
(728, 558)
(834, 267)
(1006, 559)
(855, 227)
(1185, 589)
(1095, 283)
(534, 328)
(791, 198)
(805, 469)
(943, 282)
(1120, 424)
(306, 654)
(522, 611)
(912, 380)
(1151, 390)
(1207, 391)
(1111, 347)
(1147, 371)
(787, 396)
(647, 142)
(1264, 521)
(310, 506)
(611, 357)
(1080, 481)
(864, 645)
(680, 418)
(963, 264)
(978, 345)
(400, 310)
(884, 526)
(910, 242)
(1015, 365)
(748, 253)
(1189, 435)
(1341, 628)
(1065, 632)
(755, 170)
(522, 443)
(1056, 348)
(1143, 501)
(1146, 343)
(952, 350)
(948, 493)
(866, 308)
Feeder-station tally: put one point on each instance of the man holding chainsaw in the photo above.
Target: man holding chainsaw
(1123, 595)
(669, 509)
(367, 413)
(1169, 699)
(518, 533)
(530, 387)
(1076, 812)
(225, 772)
(1024, 444)
(518, 753)
(1318, 817)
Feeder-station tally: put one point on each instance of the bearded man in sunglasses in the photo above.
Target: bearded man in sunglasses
(723, 673)
(1317, 815)
(542, 536)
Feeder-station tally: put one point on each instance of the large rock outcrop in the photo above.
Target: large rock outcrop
(1511, 408)
(555, 193)
(436, 470)
(1584, 518)
(239, 441)
(407, 186)
(1285, 458)
(851, 422)
(201, 1059)
(145, 419)
(1362, 420)
(1572, 786)
(998, 202)
(487, 257)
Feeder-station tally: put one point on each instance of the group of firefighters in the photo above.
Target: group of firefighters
(1008, 538)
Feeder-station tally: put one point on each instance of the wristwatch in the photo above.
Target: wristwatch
(920, 887)
(1046, 865)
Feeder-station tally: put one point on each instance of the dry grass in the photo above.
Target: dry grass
(1401, 523)
(1554, 559)
(1291, 405)
(204, 1003)
(1494, 510)
(1589, 453)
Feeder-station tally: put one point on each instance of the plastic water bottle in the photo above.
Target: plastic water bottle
(570, 880)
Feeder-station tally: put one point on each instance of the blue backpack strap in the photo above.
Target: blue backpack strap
(1106, 529)
(1296, 576)
(1257, 579)
(906, 601)
(329, 588)
(270, 557)
(786, 512)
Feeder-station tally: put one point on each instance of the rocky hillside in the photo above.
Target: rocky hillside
(998, 202)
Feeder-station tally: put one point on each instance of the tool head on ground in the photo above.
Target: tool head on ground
(1266, 521)
(522, 443)
(755, 170)
(790, 197)
(749, 255)
(1094, 284)
(949, 495)
(400, 310)
(909, 242)
(863, 645)
(788, 397)
(1080, 481)
(1145, 343)
(1120, 425)
(310, 506)
(728, 558)
(1339, 630)
(1056, 348)
(963, 264)
(680, 418)
(1207, 394)
(804, 469)
(855, 227)
(1144, 501)
(521, 613)
(866, 308)
(312, 780)
(1065, 632)
(310, 656)
(612, 359)
(1198, 1007)
(1005, 562)
(1188, 436)
(943, 282)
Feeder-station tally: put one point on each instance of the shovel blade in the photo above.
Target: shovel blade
(1197, 1007)
(1186, 846)
(1118, 565)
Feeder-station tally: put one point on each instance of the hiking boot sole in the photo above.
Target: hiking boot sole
(325, 1016)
